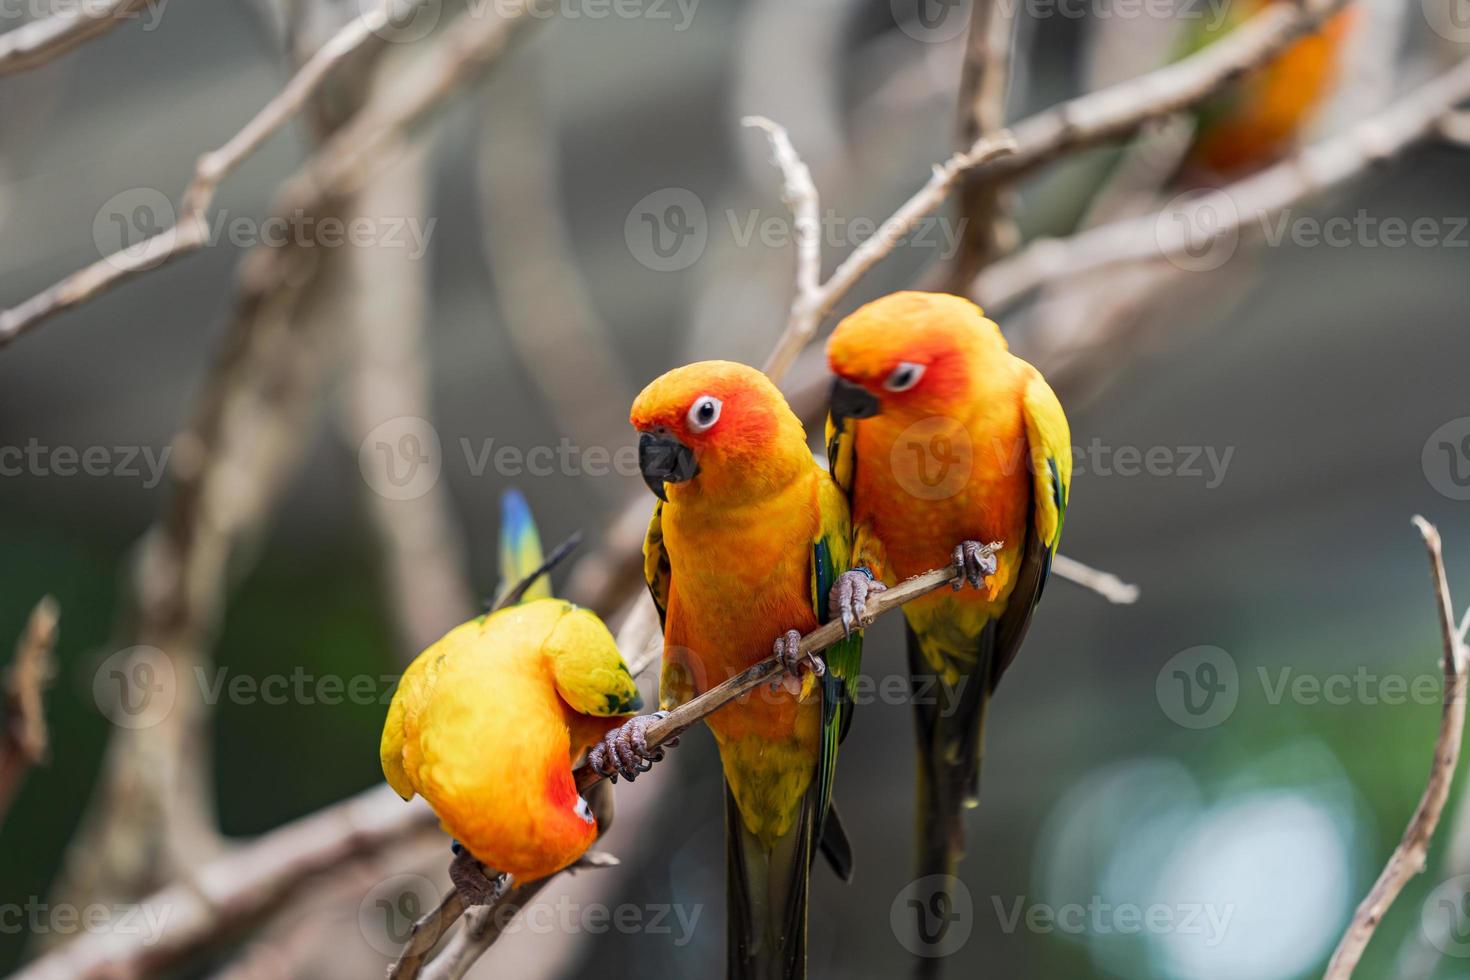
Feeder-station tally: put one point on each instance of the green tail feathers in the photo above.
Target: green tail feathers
(950, 726)
(767, 898)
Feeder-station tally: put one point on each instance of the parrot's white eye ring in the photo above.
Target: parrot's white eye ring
(704, 413)
(904, 377)
(584, 811)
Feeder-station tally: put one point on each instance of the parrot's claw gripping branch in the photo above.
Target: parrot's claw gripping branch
(848, 600)
(625, 750)
(974, 562)
(795, 661)
(475, 883)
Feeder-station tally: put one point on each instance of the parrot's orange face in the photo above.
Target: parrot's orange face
(714, 425)
(908, 354)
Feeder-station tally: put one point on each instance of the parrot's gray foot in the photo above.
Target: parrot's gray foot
(469, 876)
(848, 600)
(625, 752)
(974, 563)
(787, 649)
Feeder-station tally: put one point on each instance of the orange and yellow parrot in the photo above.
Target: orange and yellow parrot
(946, 442)
(1257, 121)
(487, 722)
(750, 535)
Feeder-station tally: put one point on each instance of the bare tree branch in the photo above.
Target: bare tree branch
(1407, 859)
(1244, 206)
(44, 40)
(231, 893)
(1105, 584)
(23, 738)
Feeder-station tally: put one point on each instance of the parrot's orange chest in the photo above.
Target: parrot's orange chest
(925, 484)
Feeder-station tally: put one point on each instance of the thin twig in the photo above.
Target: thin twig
(1407, 859)
(23, 738)
(44, 40)
(190, 231)
(1105, 584)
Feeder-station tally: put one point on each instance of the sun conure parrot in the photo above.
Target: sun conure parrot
(748, 539)
(946, 442)
(1255, 122)
(487, 722)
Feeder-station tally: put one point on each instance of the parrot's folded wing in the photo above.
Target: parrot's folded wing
(1050, 442)
(589, 671)
(412, 689)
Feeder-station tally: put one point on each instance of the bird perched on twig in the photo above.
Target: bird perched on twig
(940, 434)
(749, 532)
(487, 722)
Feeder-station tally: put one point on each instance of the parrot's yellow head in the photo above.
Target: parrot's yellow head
(910, 353)
(716, 428)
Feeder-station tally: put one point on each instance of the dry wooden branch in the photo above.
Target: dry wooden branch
(1407, 859)
(233, 892)
(191, 229)
(23, 739)
(1238, 208)
(44, 40)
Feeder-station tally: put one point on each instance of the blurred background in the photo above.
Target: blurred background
(1250, 450)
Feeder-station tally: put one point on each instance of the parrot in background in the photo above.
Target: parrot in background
(946, 441)
(750, 535)
(1255, 122)
(487, 722)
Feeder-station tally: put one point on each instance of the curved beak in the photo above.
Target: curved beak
(664, 459)
(850, 401)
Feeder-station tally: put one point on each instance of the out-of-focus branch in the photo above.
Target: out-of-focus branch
(1105, 584)
(230, 893)
(23, 739)
(1407, 859)
(44, 40)
(986, 229)
(1244, 206)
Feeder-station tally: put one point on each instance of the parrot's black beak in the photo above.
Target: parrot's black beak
(664, 459)
(850, 401)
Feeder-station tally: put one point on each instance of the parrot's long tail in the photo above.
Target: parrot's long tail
(950, 726)
(767, 896)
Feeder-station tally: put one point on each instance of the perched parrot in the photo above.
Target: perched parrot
(487, 722)
(946, 442)
(748, 539)
(1255, 122)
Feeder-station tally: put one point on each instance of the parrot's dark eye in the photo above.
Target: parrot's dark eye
(704, 413)
(904, 377)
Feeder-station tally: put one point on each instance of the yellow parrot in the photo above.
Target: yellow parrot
(487, 722)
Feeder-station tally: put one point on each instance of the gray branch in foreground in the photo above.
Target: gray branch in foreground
(1407, 860)
(42, 41)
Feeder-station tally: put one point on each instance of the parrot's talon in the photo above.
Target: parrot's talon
(848, 599)
(625, 751)
(787, 649)
(974, 563)
(473, 881)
